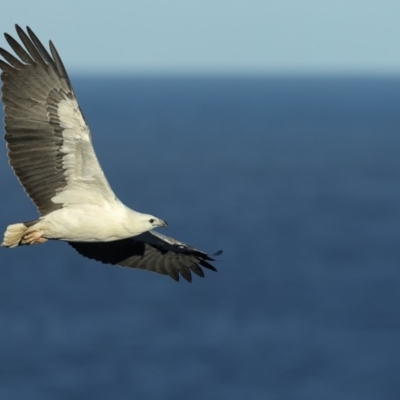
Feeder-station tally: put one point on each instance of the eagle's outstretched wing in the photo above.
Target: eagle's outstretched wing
(151, 251)
(49, 143)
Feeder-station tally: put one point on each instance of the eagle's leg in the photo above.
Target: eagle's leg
(34, 237)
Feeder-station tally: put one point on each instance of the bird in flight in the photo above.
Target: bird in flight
(51, 152)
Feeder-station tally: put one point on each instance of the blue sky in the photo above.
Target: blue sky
(216, 36)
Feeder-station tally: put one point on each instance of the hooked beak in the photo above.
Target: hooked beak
(163, 223)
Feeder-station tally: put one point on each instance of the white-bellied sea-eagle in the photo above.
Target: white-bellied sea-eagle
(50, 150)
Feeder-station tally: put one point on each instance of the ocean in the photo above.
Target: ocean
(296, 179)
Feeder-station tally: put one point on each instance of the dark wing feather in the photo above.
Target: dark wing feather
(151, 251)
(32, 86)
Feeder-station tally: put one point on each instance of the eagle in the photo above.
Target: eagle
(51, 152)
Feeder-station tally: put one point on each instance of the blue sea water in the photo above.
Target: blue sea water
(296, 179)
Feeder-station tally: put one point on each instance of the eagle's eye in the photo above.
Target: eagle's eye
(152, 220)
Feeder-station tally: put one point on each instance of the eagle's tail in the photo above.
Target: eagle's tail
(16, 234)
